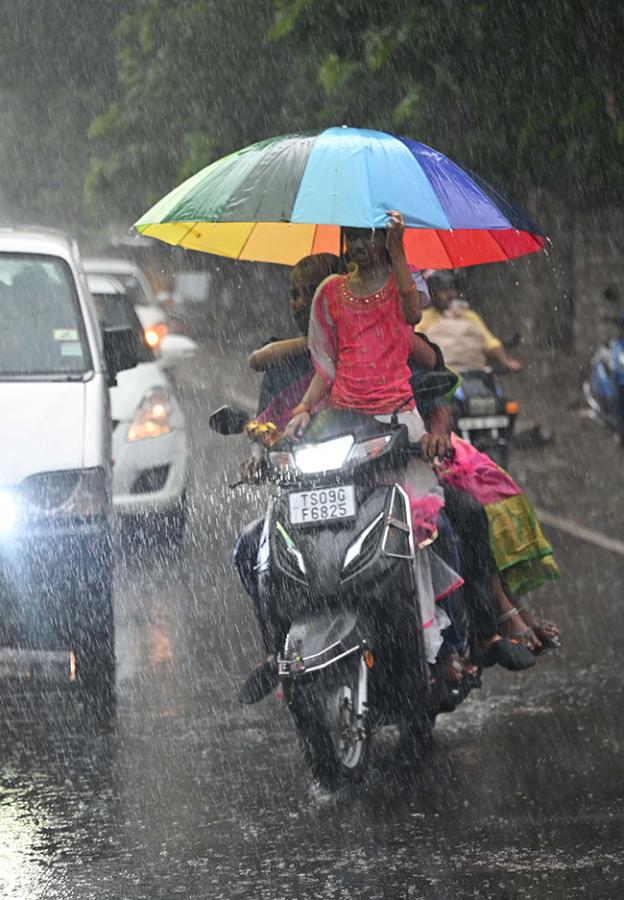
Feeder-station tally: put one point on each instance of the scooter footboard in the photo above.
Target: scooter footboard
(320, 640)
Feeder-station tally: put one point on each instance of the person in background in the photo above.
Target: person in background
(464, 338)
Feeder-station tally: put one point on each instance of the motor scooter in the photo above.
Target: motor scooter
(604, 389)
(336, 558)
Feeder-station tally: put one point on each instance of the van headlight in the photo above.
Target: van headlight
(74, 493)
(9, 512)
(68, 494)
(152, 417)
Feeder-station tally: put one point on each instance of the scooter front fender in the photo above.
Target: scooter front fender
(319, 640)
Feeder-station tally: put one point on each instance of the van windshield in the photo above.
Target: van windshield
(41, 327)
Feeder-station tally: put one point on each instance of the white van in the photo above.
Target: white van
(56, 367)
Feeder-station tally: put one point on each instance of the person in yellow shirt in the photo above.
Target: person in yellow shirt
(464, 338)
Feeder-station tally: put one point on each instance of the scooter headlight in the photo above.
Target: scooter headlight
(312, 459)
(366, 451)
(325, 457)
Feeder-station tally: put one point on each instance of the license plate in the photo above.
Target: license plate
(322, 505)
(478, 423)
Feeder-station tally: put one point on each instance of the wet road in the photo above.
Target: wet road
(188, 795)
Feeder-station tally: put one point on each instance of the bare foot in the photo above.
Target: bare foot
(544, 630)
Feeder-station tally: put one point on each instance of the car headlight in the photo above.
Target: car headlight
(323, 457)
(152, 416)
(154, 335)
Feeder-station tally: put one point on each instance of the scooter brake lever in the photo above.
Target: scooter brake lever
(241, 481)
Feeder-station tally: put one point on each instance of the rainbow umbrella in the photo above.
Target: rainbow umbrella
(284, 198)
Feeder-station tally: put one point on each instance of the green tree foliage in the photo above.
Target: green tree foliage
(106, 105)
(527, 93)
(196, 79)
(57, 71)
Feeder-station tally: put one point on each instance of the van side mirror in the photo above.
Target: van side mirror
(120, 351)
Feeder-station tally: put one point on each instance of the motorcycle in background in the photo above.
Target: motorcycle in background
(483, 415)
(604, 389)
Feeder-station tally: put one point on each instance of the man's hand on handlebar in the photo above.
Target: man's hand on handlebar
(436, 446)
(436, 443)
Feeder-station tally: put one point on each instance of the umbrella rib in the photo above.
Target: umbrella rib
(247, 239)
(519, 231)
(438, 233)
(492, 235)
(186, 234)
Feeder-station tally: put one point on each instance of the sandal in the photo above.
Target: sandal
(447, 676)
(528, 637)
(509, 654)
(448, 666)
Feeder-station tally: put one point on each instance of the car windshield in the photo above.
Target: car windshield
(116, 311)
(41, 327)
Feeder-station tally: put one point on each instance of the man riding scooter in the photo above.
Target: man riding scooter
(462, 335)
(482, 415)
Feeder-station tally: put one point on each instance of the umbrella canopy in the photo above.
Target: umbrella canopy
(284, 198)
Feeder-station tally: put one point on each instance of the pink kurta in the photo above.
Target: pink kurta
(361, 346)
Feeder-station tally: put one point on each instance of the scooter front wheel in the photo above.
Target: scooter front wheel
(330, 717)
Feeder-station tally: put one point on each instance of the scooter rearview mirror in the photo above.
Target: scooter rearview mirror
(228, 420)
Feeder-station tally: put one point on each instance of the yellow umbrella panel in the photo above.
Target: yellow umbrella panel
(272, 242)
